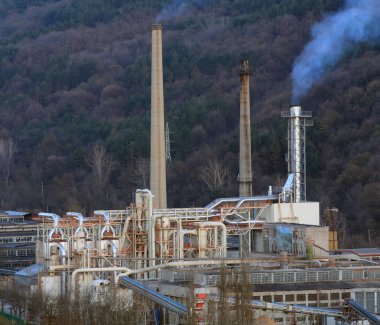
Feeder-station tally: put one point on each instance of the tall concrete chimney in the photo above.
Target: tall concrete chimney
(245, 161)
(157, 137)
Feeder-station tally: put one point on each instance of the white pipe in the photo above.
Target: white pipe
(97, 269)
(242, 222)
(224, 232)
(80, 219)
(178, 264)
(53, 216)
(77, 216)
(105, 215)
(54, 268)
(63, 260)
(216, 202)
(114, 248)
(114, 254)
(108, 226)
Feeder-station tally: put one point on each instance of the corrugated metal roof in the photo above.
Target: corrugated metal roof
(360, 251)
(314, 286)
(16, 213)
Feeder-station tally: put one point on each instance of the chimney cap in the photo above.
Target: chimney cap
(156, 27)
(244, 67)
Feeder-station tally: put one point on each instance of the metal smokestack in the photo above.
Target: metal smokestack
(296, 153)
(297, 123)
(157, 138)
(245, 162)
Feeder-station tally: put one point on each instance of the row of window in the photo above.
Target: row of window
(12, 219)
(303, 297)
(15, 264)
(17, 252)
(18, 239)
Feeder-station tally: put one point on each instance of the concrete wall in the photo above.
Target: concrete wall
(51, 285)
(320, 237)
(295, 239)
(304, 213)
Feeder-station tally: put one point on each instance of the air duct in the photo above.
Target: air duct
(157, 140)
(245, 162)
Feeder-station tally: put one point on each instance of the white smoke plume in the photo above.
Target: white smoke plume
(357, 22)
(177, 8)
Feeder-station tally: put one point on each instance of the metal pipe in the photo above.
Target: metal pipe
(105, 215)
(97, 269)
(219, 201)
(224, 232)
(243, 222)
(56, 218)
(182, 264)
(53, 216)
(108, 226)
(78, 216)
(296, 152)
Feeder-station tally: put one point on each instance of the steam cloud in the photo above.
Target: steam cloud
(177, 8)
(357, 22)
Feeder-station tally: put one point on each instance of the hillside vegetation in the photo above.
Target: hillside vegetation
(75, 105)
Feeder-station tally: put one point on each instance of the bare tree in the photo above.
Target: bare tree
(141, 171)
(101, 164)
(7, 153)
(214, 175)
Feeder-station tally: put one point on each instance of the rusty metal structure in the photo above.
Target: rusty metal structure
(245, 160)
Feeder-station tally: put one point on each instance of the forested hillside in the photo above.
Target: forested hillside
(75, 104)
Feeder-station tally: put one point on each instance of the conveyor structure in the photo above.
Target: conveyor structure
(155, 296)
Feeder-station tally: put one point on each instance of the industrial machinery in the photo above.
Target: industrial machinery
(140, 236)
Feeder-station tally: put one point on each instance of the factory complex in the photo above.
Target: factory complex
(272, 255)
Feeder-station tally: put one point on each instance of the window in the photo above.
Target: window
(267, 298)
(370, 301)
(301, 297)
(278, 298)
(289, 298)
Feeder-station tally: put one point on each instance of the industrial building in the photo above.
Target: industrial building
(18, 233)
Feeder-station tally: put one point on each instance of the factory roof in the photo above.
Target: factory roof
(359, 251)
(31, 270)
(339, 285)
(16, 213)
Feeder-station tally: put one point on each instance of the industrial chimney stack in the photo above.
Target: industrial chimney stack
(245, 163)
(157, 137)
(298, 120)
